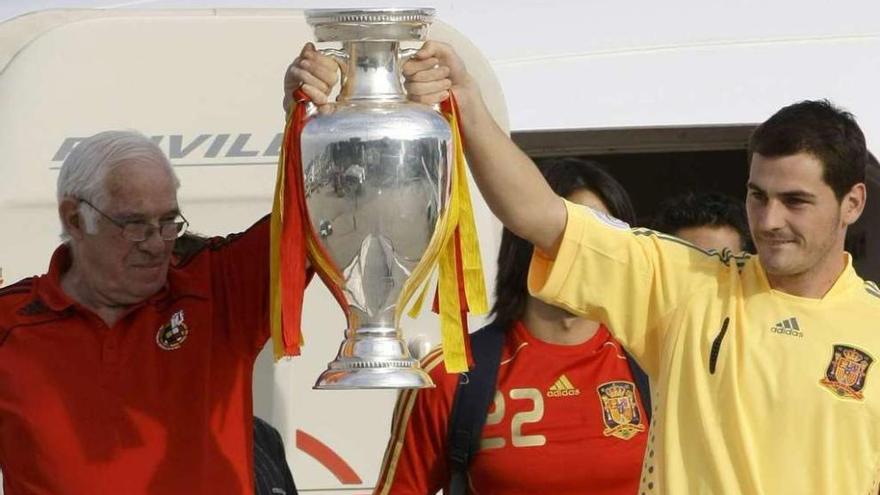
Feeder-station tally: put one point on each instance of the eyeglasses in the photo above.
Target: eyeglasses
(139, 231)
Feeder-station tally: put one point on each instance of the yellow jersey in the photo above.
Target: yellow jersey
(756, 391)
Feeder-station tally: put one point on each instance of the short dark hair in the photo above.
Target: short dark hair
(187, 246)
(819, 128)
(712, 209)
(565, 176)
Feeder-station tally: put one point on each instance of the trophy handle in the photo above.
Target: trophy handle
(341, 57)
(406, 54)
(335, 53)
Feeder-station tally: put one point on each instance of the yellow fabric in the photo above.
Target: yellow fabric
(762, 423)
(329, 273)
(472, 263)
(275, 255)
(441, 252)
(421, 274)
(451, 326)
(417, 305)
(322, 265)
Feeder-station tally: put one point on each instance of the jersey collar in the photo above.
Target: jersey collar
(847, 280)
(589, 346)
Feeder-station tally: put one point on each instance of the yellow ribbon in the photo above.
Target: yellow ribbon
(441, 252)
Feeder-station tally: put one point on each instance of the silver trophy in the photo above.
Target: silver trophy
(376, 172)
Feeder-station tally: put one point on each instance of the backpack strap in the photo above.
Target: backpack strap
(642, 384)
(473, 396)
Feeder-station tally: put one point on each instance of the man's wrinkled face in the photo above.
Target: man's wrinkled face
(123, 271)
(794, 216)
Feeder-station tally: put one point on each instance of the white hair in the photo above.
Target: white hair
(84, 170)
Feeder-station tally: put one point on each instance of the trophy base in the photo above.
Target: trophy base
(373, 357)
(352, 379)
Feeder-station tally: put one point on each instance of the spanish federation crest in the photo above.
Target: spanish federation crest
(620, 410)
(847, 371)
(172, 334)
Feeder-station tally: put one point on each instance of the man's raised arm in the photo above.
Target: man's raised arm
(511, 184)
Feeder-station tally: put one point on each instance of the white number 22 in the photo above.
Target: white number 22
(519, 419)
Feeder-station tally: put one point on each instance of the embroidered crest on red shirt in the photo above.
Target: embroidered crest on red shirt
(172, 334)
(620, 411)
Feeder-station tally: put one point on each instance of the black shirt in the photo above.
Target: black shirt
(271, 473)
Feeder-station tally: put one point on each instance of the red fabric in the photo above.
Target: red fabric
(296, 229)
(293, 225)
(446, 106)
(87, 409)
(576, 457)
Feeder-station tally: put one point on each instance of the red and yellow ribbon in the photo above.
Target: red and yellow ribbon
(293, 242)
(455, 250)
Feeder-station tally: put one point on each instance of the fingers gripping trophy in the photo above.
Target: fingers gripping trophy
(372, 194)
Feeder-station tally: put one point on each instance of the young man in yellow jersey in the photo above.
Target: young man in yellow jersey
(763, 367)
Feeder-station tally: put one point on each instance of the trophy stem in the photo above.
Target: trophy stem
(373, 357)
(373, 72)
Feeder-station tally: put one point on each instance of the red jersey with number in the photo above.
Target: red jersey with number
(565, 420)
(160, 403)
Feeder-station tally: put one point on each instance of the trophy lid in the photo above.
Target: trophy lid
(370, 24)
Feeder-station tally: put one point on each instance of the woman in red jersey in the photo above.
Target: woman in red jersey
(566, 417)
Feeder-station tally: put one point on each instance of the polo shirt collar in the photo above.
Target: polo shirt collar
(49, 285)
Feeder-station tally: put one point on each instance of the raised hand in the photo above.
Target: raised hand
(434, 71)
(316, 74)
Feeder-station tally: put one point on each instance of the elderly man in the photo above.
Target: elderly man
(763, 366)
(119, 373)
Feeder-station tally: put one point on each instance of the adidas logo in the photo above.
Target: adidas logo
(563, 388)
(788, 326)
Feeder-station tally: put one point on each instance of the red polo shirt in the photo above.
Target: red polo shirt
(160, 403)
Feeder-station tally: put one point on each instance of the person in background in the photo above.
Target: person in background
(271, 473)
(557, 382)
(708, 220)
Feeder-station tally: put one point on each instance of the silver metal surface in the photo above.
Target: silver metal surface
(376, 172)
(419, 346)
(373, 72)
(370, 24)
